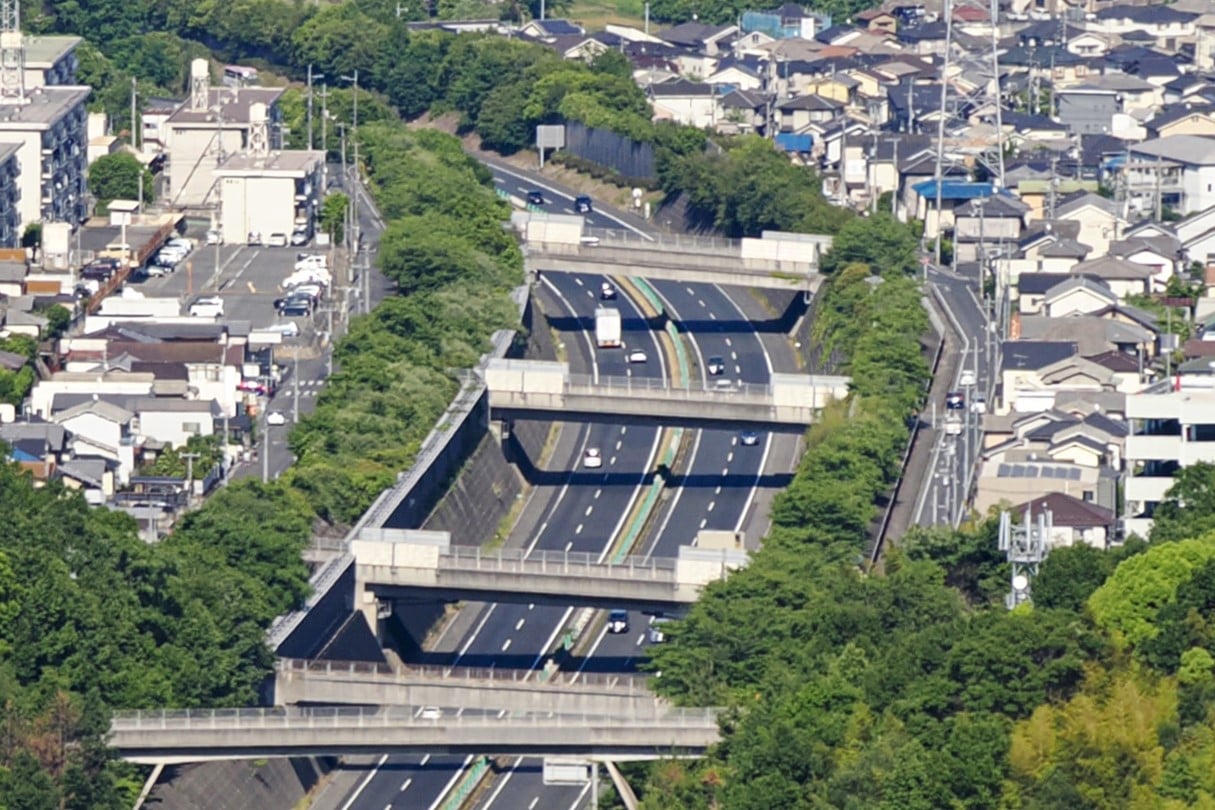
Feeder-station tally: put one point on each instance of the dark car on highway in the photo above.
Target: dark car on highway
(535, 198)
(582, 204)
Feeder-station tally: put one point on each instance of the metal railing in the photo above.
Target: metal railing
(556, 563)
(322, 717)
(599, 386)
(625, 685)
(662, 241)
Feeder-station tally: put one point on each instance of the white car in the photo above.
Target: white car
(618, 621)
(607, 292)
(286, 329)
(275, 418)
(637, 356)
(749, 438)
(277, 240)
(182, 243)
(978, 405)
(157, 270)
(431, 713)
(215, 237)
(592, 459)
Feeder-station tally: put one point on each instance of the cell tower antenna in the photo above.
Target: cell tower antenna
(12, 54)
(1025, 546)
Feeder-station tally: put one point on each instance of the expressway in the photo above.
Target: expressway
(717, 491)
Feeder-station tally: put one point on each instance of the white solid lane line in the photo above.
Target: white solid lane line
(354, 797)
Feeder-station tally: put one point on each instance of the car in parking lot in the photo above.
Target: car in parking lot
(181, 242)
(287, 329)
(275, 418)
(592, 459)
(618, 621)
(300, 237)
(211, 306)
(215, 237)
(154, 270)
(255, 239)
(277, 240)
(535, 198)
(296, 308)
(582, 204)
(716, 365)
(637, 356)
(748, 438)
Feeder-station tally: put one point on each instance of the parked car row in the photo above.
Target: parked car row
(170, 255)
(305, 287)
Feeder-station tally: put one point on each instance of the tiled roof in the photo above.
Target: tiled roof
(1068, 511)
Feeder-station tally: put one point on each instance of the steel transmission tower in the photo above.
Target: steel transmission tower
(12, 54)
(1025, 546)
(970, 91)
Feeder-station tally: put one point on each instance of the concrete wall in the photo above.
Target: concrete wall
(275, 784)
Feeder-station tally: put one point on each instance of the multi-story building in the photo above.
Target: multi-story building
(213, 124)
(269, 193)
(50, 61)
(49, 128)
(1177, 172)
(1173, 426)
(10, 196)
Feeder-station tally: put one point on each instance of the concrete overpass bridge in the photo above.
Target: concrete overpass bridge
(778, 260)
(473, 689)
(392, 564)
(537, 389)
(174, 737)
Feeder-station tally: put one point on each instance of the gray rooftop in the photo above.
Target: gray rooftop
(1195, 150)
(46, 106)
(235, 106)
(296, 162)
(1035, 354)
(45, 51)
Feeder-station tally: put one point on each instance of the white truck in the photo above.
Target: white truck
(607, 328)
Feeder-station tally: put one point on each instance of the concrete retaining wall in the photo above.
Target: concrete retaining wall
(273, 784)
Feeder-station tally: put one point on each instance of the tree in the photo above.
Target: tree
(333, 216)
(117, 177)
(1188, 508)
(880, 241)
(1069, 575)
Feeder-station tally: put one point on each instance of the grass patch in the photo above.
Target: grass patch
(597, 14)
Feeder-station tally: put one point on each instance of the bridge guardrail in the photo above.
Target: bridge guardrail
(626, 685)
(597, 385)
(395, 716)
(658, 241)
(563, 563)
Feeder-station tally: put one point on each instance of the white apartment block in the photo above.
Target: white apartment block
(1170, 429)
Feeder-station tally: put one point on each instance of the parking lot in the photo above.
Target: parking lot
(248, 279)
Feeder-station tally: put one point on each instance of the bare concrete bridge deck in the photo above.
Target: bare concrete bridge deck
(372, 684)
(788, 263)
(540, 389)
(172, 737)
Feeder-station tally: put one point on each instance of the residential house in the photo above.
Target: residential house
(1085, 436)
(1092, 106)
(1121, 276)
(709, 39)
(1092, 335)
(1006, 483)
(927, 39)
(989, 222)
(1166, 25)
(954, 195)
(1177, 172)
(1077, 295)
(1157, 253)
(174, 421)
(1025, 131)
(737, 74)
(1183, 118)
(1100, 220)
(102, 429)
(1022, 361)
(94, 478)
(686, 102)
(789, 20)
(36, 446)
(550, 29)
(795, 114)
(744, 112)
(1032, 289)
(1073, 521)
(878, 21)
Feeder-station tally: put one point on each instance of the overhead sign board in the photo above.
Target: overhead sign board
(550, 136)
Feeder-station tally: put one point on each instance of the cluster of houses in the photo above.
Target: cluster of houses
(1064, 156)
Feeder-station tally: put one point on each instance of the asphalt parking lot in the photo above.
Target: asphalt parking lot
(248, 279)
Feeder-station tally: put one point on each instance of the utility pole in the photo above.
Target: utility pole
(894, 193)
(295, 379)
(1051, 189)
(134, 130)
(189, 459)
(266, 443)
(1159, 189)
(947, 11)
(309, 106)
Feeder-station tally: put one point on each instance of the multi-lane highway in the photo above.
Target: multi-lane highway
(585, 510)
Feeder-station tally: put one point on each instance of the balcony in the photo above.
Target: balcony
(1153, 448)
(1142, 489)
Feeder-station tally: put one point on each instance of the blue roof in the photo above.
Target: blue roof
(792, 142)
(954, 189)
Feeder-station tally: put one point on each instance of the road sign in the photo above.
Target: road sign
(550, 136)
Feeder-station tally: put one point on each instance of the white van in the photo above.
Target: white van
(209, 307)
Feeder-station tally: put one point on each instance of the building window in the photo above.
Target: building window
(192, 428)
(1088, 496)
